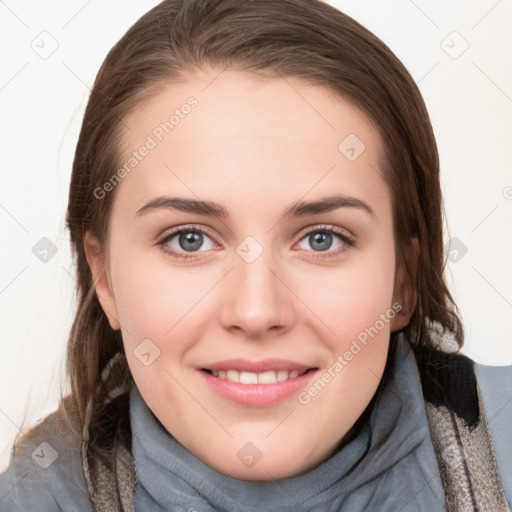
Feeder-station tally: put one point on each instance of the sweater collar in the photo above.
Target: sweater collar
(165, 469)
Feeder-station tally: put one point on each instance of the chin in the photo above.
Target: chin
(253, 465)
(268, 471)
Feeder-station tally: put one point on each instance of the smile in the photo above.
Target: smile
(268, 377)
(264, 386)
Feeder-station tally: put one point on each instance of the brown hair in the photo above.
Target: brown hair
(305, 39)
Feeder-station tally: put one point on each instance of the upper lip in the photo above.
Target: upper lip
(256, 366)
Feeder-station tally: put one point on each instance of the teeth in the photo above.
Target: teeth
(282, 375)
(248, 378)
(233, 376)
(268, 377)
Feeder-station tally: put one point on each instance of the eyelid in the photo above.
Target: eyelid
(344, 233)
(187, 227)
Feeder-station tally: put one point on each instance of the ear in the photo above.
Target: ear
(405, 292)
(101, 279)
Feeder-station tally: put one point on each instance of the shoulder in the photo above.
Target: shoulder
(45, 469)
(495, 383)
(447, 379)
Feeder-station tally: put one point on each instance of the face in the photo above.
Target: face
(218, 272)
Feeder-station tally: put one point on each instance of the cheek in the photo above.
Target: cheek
(356, 305)
(351, 298)
(152, 300)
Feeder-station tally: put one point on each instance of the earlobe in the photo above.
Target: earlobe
(405, 286)
(101, 279)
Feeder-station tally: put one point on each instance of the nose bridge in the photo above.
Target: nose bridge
(257, 300)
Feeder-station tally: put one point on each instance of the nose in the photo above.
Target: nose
(258, 301)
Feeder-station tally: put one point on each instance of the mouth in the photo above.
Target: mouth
(257, 388)
(265, 378)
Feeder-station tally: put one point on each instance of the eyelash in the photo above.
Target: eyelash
(349, 241)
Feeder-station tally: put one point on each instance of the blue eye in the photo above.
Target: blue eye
(188, 239)
(320, 238)
(182, 243)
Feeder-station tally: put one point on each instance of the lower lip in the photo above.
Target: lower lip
(257, 395)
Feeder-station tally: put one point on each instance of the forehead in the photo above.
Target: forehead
(237, 135)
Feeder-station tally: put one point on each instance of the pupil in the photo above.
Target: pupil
(191, 240)
(323, 239)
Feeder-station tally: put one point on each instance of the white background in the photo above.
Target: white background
(42, 101)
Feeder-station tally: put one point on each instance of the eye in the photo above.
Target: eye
(321, 239)
(187, 239)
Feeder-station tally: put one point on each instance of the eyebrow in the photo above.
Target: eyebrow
(298, 209)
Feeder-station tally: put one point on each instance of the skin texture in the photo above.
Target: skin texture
(256, 146)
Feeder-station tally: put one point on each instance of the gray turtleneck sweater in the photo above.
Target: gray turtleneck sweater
(389, 466)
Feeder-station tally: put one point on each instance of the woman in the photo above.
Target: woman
(296, 355)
